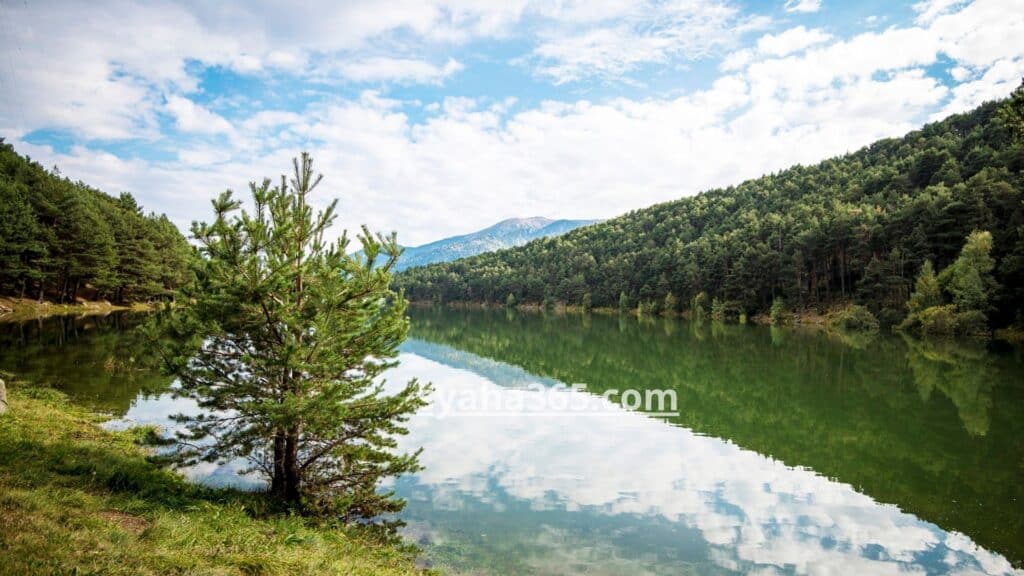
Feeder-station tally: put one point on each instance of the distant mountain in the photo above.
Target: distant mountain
(504, 234)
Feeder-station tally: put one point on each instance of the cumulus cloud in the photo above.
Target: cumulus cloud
(806, 6)
(384, 69)
(651, 32)
(792, 40)
(191, 117)
(455, 164)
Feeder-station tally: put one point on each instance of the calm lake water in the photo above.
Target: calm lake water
(791, 452)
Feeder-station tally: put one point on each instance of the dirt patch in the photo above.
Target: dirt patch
(127, 522)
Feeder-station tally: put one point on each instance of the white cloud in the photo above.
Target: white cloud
(997, 82)
(651, 32)
(929, 10)
(806, 6)
(792, 40)
(383, 69)
(795, 96)
(191, 117)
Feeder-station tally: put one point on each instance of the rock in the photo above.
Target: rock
(3, 397)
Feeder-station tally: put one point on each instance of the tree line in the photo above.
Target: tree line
(64, 239)
(853, 229)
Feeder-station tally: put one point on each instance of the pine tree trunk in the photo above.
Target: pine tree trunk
(277, 481)
(291, 467)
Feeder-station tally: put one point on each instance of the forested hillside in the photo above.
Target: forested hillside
(61, 239)
(857, 228)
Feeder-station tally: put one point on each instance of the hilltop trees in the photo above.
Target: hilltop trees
(59, 237)
(284, 342)
(851, 230)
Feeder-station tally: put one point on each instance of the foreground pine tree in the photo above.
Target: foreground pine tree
(283, 345)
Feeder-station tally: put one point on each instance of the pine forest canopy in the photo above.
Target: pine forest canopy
(60, 238)
(857, 228)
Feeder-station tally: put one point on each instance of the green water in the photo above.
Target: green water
(100, 361)
(792, 452)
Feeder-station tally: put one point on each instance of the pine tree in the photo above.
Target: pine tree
(623, 303)
(19, 246)
(283, 345)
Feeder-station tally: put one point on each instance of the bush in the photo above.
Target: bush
(938, 320)
(856, 318)
(723, 311)
(699, 305)
(717, 310)
(549, 303)
(947, 321)
(972, 323)
(778, 313)
(670, 305)
(890, 317)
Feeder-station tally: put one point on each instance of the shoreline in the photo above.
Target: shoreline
(21, 309)
(807, 319)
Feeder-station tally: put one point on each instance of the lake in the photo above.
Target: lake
(788, 451)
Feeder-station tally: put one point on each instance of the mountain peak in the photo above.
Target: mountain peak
(505, 234)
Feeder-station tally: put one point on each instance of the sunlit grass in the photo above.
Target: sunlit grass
(76, 499)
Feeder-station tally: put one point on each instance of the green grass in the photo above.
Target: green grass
(76, 499)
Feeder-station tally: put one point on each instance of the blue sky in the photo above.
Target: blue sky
(438, 117)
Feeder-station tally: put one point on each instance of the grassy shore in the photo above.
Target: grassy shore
(76, 499)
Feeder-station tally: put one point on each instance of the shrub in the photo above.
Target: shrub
(778, 313)
(670, 305)
(938, 320)
(549, 303)
(725, 310)
(717, 310)
(700, 306)
(890, 317)
(856, 318)
(972, 323)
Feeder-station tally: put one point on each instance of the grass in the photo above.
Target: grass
(76, 499)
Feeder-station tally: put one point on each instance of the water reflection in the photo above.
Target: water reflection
(98, 360)
(630, 494)
(860, 415)
(794, 453)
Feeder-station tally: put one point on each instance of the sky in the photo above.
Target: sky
(439, 117)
